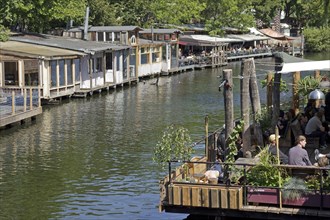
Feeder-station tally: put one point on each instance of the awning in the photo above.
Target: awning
(305, 66)
(275, 35)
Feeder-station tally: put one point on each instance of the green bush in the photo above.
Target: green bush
(317, 39)
(4, 34)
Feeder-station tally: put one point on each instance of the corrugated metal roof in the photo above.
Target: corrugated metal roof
(67, 43)
(247, 37)
(207, 39)
(107, 28)
(32, 50)
(160, 31)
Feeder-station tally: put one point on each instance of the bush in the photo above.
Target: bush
(317, 39)
(4, 34)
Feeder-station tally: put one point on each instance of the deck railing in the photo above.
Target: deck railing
(18, 100)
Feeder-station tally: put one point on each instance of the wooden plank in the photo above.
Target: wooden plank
(214, 198)
(300, 211)
(176, 195)
(170, 195)
(273, 210)
(311, 212)
(186, 198)
(287, 211)
(205, 198)
(249, 208)
(196, 197)
(224, 198)
(233, 202)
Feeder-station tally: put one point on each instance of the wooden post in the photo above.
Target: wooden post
(295, 95)
(276, 100)
(39, 97)
(317, 74)
(255, 98)
(207, 137)
(256, 106)
(245, 104)
(13, 103)
(269, 92)
(31, 100)
(278, 163)
(24, 100)
(229, 103)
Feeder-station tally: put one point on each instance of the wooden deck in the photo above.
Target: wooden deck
(18, 105)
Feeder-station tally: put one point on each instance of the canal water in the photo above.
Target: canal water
(92, 158)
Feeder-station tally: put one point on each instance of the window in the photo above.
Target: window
(118, 57)
(11, 74)
(53, 73)
(31, 79)
(77, 69)
(69, 72)
(108, 60)
(132, 59)
(108, 36)
(155, 54)
(98, 64)
(100, 36)
(61, 72)
(145, 55)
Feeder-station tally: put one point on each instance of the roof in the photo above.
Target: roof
(204, 40)
(295, 64)
(107, 28)
(247, 37)
(31, 50)
(147, 42)
(274, 34)
(160, 31)
(66, 43)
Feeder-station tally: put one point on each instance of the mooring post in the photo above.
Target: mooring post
(269, 92)
(295, 94)
(228, 100)
(207, 138)
(245, 103)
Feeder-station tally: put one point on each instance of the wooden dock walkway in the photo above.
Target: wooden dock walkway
(19, 105)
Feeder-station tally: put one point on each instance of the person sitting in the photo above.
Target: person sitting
(319, 155)
(297, 154)
(314, 128)
(310, 108)
(273, 150)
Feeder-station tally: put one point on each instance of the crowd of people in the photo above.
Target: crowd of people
(312, 123)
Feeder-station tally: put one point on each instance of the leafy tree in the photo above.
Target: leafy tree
(177, 11)
(230, 13)
(175, 144)
(102, 13)
(265, 10)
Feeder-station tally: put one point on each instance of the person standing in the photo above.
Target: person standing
(297, 154)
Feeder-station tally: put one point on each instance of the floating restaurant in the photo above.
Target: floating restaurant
(255, 186)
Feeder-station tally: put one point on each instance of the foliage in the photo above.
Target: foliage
(307, 85)
(264, 173)
(231, 13)
(265, 10)
(317, 39)
(264, 119)
(177, 11)
(4, 34)
(175, 144)
(101, 13)
(313, 182)
(294, 188)
(283, 85)
(232, 151)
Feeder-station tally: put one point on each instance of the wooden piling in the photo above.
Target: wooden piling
(295, 94)
(229, 103)
(255, 98)
(276, 99)
(269, 92)
(245, 103)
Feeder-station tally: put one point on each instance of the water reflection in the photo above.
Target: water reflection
(91, 158)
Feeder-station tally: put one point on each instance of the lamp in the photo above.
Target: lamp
(316, 94)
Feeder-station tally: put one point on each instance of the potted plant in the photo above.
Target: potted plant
(175, 145)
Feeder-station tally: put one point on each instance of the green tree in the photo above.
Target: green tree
(265, 10)
(102, 13)
(230, 13)
(175, 144)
